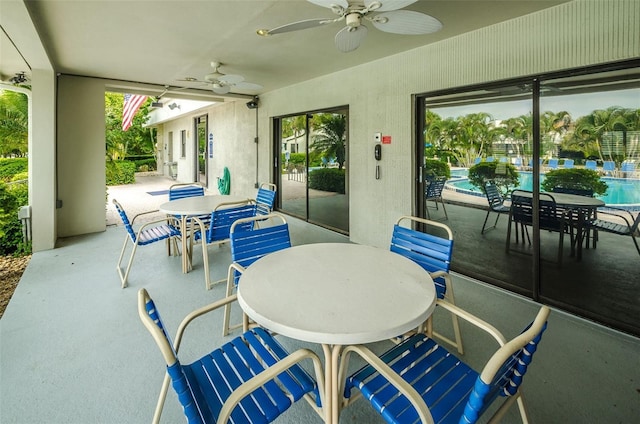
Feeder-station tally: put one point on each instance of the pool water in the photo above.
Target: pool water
(621, 191)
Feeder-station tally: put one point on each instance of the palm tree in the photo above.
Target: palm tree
(14, 123)
(329, 136)
(591, 131)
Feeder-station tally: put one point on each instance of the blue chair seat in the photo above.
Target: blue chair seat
(148, 233)
(443, 387)
(255, 360)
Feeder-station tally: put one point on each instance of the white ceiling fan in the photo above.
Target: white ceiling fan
(383, 14)
(223, 83)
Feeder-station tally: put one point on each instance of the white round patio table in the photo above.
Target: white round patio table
(336, 294)
(194, 206)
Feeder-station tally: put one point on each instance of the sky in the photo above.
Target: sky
(576, 104)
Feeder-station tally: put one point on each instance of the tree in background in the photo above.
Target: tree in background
(329, 136)
(136, 141)
(14, 123)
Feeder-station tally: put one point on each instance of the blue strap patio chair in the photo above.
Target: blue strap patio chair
(220, 222)
(609, 167)
(419, 381)
(568, 163)
(490, 159)
(248, 244)
(517, 162)
(497, 204)
(627, 169)
(551, 218)
(148, 233)
(249, 379)
(265, 198)
(553, 163)
(616, 221)
(433, 192)
(477, 160)
(433, 253)
(182, 190)
(591, 165)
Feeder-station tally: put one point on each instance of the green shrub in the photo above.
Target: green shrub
(12, 197)
(11, 167)
(436, 168)
(120, 172)
(144, 165)
(574, 178)
(327, 179)
(504, 175)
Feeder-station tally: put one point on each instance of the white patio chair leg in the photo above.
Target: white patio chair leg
(161, 399)
(124, 277)
(226, 327)
(126, 274)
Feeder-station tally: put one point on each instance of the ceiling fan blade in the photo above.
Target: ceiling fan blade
(386, 5)
(348, 38)
(330, 3)
(296, 26)
(248, 86)
(406, 22)
(220, 89)
(231, 79)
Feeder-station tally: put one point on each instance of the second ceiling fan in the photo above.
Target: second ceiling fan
(383, 14)
(223, 83)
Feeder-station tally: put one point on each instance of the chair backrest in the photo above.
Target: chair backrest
(553, 163)
(628, 166)
(125, 220)
(265, 199)
(248, 245)
(490, 158)
(477, 160)
(493, 195)
(591, 164)
(503, 373)
(609, 166)
(179, 191)
(434, 187)
(431, 252)
(224, 215)
(518, 162)
(522, 210)
(568, 163)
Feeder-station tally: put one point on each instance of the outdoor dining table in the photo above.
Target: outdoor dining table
(193, 206)
(583, 206)
(336, 294)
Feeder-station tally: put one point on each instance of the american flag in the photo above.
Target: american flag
(132, 103)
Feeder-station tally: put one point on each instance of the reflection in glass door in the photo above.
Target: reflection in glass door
(567, 135)
(313, 168)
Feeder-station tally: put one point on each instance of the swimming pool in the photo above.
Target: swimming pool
(622, 192)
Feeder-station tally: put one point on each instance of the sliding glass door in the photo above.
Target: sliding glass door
(571, 141)
(312, 166)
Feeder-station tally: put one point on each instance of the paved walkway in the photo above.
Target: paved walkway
(135, 198)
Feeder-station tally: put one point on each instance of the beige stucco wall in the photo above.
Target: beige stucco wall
(378, 94)
(81, 156)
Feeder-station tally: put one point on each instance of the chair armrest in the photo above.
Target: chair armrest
(198, 313)
(481, 324)
(621, 215)
(144, 213)
(392, 377)
(259, 380)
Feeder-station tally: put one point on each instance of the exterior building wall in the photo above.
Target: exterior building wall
(572, 35)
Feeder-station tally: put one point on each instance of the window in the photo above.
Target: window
(183, 144)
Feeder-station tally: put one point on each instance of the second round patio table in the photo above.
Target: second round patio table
(336, 294)
(194, 206)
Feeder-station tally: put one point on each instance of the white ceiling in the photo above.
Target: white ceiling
(160, 42)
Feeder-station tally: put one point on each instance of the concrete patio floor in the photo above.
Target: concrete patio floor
(73, 349)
